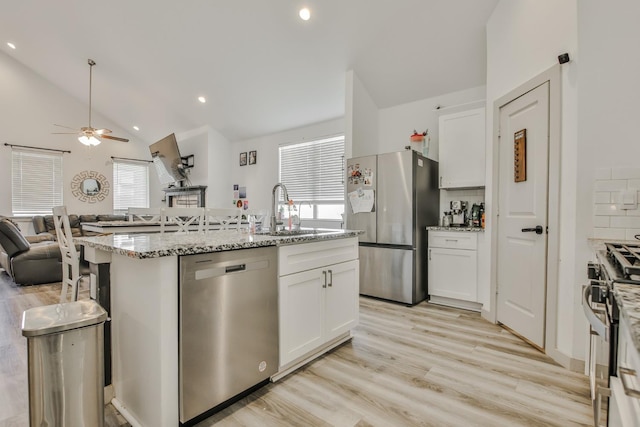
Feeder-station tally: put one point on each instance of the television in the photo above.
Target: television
(166, 157)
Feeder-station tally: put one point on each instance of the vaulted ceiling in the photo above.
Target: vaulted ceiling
(261, 68)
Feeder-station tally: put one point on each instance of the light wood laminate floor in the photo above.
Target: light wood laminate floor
(406, 366)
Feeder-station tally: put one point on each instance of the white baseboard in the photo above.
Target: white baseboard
(289, 368)
(125, 413)
(456, 303)
(109, 394)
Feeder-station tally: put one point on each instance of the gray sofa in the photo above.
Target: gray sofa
(31, 260)
(44, 224)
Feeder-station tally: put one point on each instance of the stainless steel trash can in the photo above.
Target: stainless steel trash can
(65, 357)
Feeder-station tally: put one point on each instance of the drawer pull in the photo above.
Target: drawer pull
(324, 282)
(628, 390)
(450, 240)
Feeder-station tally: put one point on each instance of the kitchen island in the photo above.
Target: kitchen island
(144, 272)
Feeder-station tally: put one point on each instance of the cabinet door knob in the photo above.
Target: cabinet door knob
(324, 282)
(330, 278)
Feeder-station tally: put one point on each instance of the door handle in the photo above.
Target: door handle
(537, 229)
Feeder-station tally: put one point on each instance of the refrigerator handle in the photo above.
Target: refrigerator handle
(440, 182)
(429, 254)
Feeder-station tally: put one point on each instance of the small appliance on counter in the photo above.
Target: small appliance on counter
(458, 213)
(446, 219)
(476, 214)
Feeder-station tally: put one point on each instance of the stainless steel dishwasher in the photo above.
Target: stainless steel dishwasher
(228, 329)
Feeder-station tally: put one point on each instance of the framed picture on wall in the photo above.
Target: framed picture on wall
(252, 157)
(243, 159)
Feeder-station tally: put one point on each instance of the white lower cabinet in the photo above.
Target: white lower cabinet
(452, 263)
(319, 304)
(624, 403)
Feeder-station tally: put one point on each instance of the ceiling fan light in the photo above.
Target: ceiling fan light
(89, 141)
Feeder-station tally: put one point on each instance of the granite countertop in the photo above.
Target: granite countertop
(440, 228)
(628, 298)
(155, 245)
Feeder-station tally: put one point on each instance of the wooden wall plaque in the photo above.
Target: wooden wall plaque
(520, 156)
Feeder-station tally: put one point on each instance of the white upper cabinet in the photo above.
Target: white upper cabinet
(462, 149)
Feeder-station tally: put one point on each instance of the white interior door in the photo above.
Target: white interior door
(522, 206)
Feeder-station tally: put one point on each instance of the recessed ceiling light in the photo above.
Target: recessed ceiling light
(305, 14)
(11, 45)
(136, 128)
(202, 99)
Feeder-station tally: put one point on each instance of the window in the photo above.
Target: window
(130, 185)
(36, 182)
(313, 174)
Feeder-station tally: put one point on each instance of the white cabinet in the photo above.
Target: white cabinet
(461, 143)
(452, 264)
(624, 403)
(318, 295)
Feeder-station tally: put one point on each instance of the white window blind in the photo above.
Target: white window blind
(130, 185)
(36, 182)
(313, 171)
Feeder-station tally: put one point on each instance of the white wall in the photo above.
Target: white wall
(362, 133)
(260, 178)
(524, 38)
(212, 154)
(29, 106)
(398, 123)
(608, 109)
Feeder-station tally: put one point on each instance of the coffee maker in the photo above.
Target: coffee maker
(458, 213)
(476, 214)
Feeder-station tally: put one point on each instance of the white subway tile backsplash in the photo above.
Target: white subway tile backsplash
(603, 173)
(625, 173)
(610, 185)
(601, 221)
(602, 197)
(609, 210)
(609, 233)
(470, 196)
(625, 222)
(609, 221)
(632, 233)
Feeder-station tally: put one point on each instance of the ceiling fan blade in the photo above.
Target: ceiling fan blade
(62, 126)
(115, 138)
(102, 131)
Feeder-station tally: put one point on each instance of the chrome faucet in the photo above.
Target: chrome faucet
(273, 225)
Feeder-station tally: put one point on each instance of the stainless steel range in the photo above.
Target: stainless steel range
(617, 263)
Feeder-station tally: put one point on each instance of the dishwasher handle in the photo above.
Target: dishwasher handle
(234, 268)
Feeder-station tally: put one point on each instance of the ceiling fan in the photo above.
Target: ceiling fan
(89, 135)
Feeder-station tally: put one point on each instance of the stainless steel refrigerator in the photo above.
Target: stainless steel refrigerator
(393, 197)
